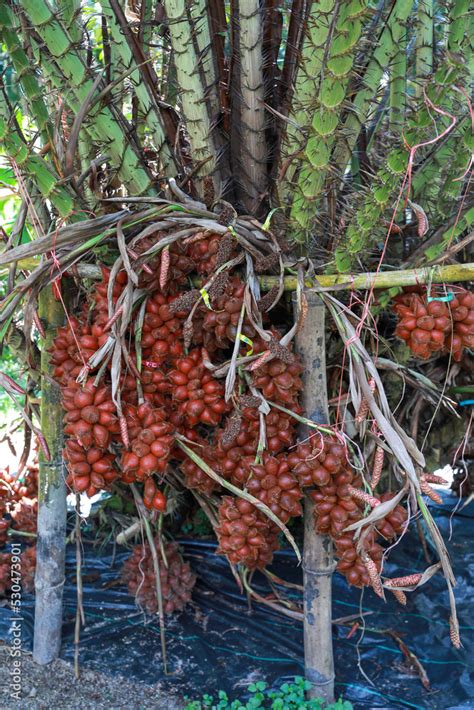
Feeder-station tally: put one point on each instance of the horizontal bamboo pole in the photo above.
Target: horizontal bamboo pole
(383, 279)
(450, 273)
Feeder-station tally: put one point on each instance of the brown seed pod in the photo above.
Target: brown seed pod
(379, 457)
(408, 580)
(374, 576)
(454, 633)
(400, 596)
(363, 497)
(428, 491)
(363, 410)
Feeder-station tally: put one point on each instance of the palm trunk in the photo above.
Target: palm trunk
(248, 97)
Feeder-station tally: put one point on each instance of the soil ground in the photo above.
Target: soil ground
(54, 687)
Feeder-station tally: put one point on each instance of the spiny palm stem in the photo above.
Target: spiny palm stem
(398, 85)
(306, 90)
(102, 123)
(461, 32)
(424, 43)
(10, 35)
(336, 70)
(371, 220)
(192, 92)
(33, 165)
(122, 57)
(70, 15)
(250, 97)
(381, 58)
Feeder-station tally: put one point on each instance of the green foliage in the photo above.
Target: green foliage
(288, 697)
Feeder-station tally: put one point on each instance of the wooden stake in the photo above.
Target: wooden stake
(51, 545)
(318, 564)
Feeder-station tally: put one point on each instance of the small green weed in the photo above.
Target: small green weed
(288, 697)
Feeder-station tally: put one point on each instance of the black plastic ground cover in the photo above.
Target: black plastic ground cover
(221, 643)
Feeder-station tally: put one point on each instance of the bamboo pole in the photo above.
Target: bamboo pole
(318, 564)
(51, 542)
(451, 273)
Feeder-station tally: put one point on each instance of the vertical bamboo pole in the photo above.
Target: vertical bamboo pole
(318, 564)
(51, 543)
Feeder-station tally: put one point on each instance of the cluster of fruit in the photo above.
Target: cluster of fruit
(128, 427)
(18, 512)
(435, 324)
(322, 463)
(176, 579)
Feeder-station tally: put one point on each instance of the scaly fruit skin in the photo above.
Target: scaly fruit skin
(423, 326)
(246, 536)
(272, 483)
(199, 395)
(462, 312)
(223, 319)
(18, 502)
(24, 515)
(280, 430)
(65, 357)
(151, 440)
(195, 478)
(436, 326)
(99, 296)
(90, 414)
(177, 579)
(90, 469)
(153, 498)
(227, 456)
(227, 450)
(322, 462)
(162, 331)
(279, 381)
(314, 461)
(28, 567)
(180, 264)
(154, 384)
(394, 522)
(350, 562)
(206, 251)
